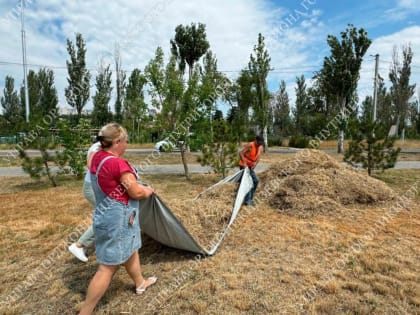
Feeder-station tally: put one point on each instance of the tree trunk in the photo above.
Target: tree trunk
(184, 160)
(369, 159)
(397, 123)
(190, 72)
(340, 147)
(265, 139)
(50, 176)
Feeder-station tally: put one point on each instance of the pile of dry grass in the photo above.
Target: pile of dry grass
(312, 182)
(206, 216)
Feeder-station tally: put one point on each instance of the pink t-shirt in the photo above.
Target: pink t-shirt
(110, 174)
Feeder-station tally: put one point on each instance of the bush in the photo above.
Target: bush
(250, 137)
(371, 147)
(299, 142)
(274, 141)
(75, 141)
(220, 156)
(196, 144)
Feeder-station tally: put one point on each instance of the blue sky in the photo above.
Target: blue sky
(295, 33)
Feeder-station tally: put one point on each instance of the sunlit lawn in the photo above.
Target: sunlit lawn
(267, 264)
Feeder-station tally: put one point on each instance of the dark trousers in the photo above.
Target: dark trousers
(255, 180)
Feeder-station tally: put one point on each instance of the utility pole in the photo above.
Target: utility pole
(375, 87)
(25, 70)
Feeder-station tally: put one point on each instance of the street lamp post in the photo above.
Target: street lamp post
(25, 71)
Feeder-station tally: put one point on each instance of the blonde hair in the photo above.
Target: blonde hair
(110, 132)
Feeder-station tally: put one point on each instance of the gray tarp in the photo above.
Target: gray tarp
(158, 221)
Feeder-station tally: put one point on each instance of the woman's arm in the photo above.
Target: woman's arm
(135, 190)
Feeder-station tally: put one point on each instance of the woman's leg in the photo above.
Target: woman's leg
(88, 237)
(132, 265)
(97, 287)
(89, 193)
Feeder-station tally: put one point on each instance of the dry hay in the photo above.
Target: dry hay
(312, 182)
(207, 216)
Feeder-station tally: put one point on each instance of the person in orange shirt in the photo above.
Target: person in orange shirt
(250, 156)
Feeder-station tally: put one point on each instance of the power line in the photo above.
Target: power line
(308, 68)
(274, 70)
(391, 62)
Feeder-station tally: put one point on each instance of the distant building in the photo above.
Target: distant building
(71, 111)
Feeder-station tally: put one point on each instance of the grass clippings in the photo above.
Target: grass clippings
(315, 183)
(206, 216)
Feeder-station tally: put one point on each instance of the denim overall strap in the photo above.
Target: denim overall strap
(115, 237)
(101, 164)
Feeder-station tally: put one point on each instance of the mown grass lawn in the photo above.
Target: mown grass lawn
(270, 262)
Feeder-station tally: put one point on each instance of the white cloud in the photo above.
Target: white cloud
(403, 9)
(232, 28)
(384, 47)
(409, 4)
(295, 36)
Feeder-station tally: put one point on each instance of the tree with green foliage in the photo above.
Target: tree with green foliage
(167, 91)
(282, 121)
(367, 110)
(135, 108)
(190, 110)
(42, 139)
(33, 93)
(48, 99)
(78, 90)
(75, 142)
(211, 80)
(222, 153)
(13, 112)
(340, 72)
(155, 75)
(173, 91)
(189, 45)
(38, 167)
(317, 112)
(300, 112)
(385, 112)
(42, 95)
(244, 95)
(101, 113)
(414, 117)
(401, 89)
(259, 66)
(371, 147)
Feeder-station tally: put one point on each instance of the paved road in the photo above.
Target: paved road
(13, 153)
(193, 168)
(150, 169)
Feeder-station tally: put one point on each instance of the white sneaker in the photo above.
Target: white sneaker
(79, 252)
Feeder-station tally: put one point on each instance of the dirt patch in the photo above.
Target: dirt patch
(311, 182)
(206, 216)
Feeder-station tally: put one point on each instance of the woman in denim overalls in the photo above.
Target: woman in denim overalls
(115, 220)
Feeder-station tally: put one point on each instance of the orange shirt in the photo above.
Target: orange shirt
(250, 154)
